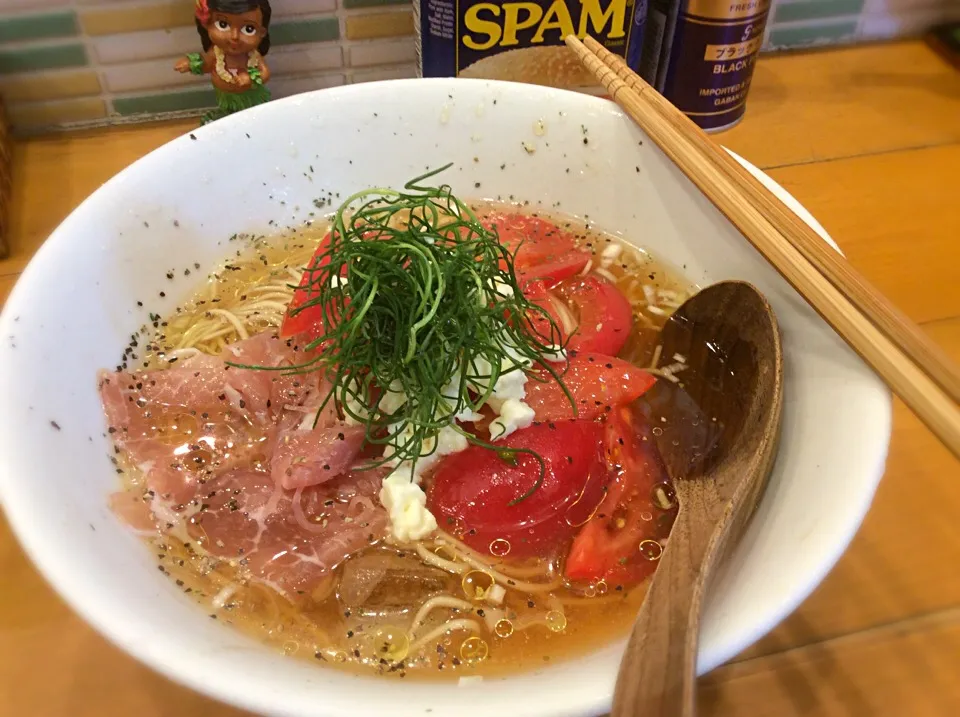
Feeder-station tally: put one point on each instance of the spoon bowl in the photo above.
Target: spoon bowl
(717, 427)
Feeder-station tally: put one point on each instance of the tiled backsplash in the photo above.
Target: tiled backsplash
(67, 62)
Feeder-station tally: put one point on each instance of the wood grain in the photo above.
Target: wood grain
(897, 565)
(879, 637)
(896, 217)
(819, 106)
(780, 238)
(733, 381)
(906, 669)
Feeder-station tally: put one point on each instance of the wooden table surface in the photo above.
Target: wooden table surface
(868, 139)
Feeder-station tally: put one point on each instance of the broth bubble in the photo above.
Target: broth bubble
(474, 649)
(651, 549)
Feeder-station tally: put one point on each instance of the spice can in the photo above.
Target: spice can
(523, 41)
(701, 55)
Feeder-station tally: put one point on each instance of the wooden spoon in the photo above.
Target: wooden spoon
(718, 442)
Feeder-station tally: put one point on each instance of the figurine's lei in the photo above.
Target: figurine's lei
(253, 66)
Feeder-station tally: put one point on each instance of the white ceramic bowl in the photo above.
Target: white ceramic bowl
(76, 306)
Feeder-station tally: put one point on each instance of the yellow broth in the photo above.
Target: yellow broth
(527, 627)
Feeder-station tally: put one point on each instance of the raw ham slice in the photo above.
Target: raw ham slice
(182, 425)
(306, 458)
(289, 540)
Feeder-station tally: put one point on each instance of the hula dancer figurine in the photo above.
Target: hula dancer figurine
(235, 35)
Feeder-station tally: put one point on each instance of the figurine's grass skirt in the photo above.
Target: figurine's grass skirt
(230, 102)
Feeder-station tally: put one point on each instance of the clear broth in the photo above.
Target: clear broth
(527, 630)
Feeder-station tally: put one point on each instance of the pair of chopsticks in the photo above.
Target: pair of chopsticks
(892, 345)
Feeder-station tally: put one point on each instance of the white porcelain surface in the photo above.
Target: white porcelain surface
(75, 308)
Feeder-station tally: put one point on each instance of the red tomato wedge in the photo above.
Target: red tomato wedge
(611, 545)
(597, 383)
(472, 491)
(310, 320)
(543, 250)
(603, 314)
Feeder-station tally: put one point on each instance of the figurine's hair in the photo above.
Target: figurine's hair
(234, 7)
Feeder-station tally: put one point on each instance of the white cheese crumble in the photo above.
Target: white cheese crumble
(406, 504)
(514, 415)
(401, 494)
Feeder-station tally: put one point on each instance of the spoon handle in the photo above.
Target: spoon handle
(658, 671)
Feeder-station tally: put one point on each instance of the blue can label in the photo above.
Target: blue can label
(711, 62)
(523, 41)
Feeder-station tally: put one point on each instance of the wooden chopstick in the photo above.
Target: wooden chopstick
(889, 319)
(896, 349)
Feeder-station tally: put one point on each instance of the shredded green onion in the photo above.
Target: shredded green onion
(418, 296)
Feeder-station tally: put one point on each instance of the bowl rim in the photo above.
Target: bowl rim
(29, 534)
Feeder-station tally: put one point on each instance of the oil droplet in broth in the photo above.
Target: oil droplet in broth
(499, 548)
(651, 549)
(475, 584)
(474, 649)
(503, 628)
(556, 621)
(664, 496)
(391, 643)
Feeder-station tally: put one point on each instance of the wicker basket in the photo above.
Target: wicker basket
(6, 158)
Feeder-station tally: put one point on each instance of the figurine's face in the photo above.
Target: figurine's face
(237, 34)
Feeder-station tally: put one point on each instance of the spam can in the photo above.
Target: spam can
(523, 41)
(707, 53)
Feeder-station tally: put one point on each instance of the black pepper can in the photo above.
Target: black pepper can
(702, 53)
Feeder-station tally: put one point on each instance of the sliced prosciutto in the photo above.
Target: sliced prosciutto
(304, 458)
(289, 540)
(183, 425)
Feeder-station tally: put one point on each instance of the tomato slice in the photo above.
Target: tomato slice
(611, 545)
(543, 250)
(473, 493)
(309, 320)
(597, 383)
(603, 314)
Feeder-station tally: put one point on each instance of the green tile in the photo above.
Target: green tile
(812, 34)
(816, 10)
(318, 30)
(42, 58)
(36, 27)
(372, 3)
(168, 102)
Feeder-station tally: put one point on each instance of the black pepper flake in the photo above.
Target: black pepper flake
(480, 612)
(530, 603)
(163, 294)
(349, 633)
(55, 425)
(570, 460)
(193, 136)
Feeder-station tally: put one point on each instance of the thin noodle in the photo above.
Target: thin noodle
(435, 602)
(234, 321)
(449, 542)
(470, 625)
(438, 562)
(520, 585)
